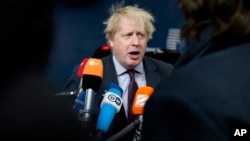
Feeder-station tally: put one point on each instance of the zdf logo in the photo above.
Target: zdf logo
(93, 63)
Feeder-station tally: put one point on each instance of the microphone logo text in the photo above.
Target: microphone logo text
(114, 99)
(93, 63)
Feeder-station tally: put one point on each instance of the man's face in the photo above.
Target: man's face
(129, 43)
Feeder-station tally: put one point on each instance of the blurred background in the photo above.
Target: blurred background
(43, 40)
(78, 33)
(66, 31)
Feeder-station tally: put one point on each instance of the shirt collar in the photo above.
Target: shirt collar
(120, 69)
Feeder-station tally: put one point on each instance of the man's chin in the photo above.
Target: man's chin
(133, 63)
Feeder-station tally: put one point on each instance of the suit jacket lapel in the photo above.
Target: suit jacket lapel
(152, 77)
(109, 75)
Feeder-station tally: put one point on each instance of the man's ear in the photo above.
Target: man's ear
(110, 43)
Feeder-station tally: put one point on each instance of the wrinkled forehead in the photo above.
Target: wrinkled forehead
(131, 21)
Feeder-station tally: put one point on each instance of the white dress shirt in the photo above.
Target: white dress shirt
(123, 79)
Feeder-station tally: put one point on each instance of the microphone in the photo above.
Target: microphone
(92, 78)
(110, 105)
(79, 101)
(80, 73)
(141, 97)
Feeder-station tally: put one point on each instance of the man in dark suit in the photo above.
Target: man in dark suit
(128, 30)
(206, 98)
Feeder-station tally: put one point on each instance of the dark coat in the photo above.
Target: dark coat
(207, 96)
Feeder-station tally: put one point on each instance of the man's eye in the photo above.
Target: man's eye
(141, 35)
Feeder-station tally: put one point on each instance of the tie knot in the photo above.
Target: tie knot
(131, 73)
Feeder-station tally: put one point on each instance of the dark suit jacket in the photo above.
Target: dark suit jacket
(155, 71)
(207, 96)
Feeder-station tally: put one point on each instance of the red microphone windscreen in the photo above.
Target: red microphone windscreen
(81, 68)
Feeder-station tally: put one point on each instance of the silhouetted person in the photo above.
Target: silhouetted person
(207, 96)
(28, 108)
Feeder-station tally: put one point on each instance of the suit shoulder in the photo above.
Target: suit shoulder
(106, 58)
(158, 62)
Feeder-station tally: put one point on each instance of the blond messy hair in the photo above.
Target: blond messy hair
(141, 17)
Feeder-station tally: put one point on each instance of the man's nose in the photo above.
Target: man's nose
(135, 40)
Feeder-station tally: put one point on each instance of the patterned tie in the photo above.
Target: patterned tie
(132, 88)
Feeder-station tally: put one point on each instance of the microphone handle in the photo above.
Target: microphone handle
(80, 86)
(88, 105)
(140, 121)
(123, 132)
(137, 136)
